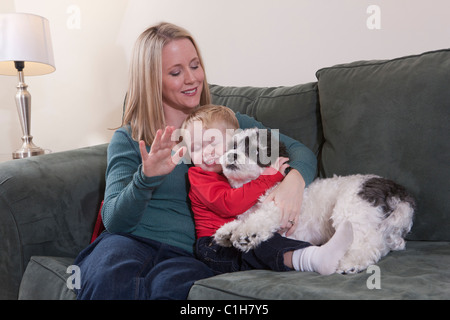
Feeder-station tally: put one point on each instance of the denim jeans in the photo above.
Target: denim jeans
(123, 266)
(269, 255)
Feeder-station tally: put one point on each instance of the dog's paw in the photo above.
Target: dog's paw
(223, 238)
(246, 241)
(349, 267)
(348, 271)
(223, 235)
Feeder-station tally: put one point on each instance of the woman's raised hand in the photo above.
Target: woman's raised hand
(159, 161)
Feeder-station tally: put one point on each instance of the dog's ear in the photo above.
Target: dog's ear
(282, 150)
(266, 140)
(263, 144)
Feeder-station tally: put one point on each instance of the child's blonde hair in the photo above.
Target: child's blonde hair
(210, 113)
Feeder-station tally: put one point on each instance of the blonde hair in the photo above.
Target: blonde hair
(209, 114)
(144, 107)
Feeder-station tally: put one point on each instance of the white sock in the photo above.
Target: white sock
(325, 259)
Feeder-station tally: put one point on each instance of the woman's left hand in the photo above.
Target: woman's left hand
(288, 197)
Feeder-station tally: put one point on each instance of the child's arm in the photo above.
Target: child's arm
(225, 201)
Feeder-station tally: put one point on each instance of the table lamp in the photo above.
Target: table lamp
(25, 49)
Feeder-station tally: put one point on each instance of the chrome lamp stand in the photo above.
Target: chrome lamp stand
(23, 103)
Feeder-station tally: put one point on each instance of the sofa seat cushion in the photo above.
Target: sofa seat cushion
(391, 118)
(45, 278)
(419, 272)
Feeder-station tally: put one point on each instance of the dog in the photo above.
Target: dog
(380, 210)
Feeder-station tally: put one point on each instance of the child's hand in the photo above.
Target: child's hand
(280, 165)
(159, 161)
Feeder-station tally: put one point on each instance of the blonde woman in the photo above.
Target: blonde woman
(146, 251)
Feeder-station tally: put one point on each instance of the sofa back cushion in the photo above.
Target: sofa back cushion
(391, 118)
(293, 110)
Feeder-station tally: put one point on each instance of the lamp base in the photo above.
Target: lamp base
(28, 149)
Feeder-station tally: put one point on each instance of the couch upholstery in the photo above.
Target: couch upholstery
(48, 206)
(389, 118)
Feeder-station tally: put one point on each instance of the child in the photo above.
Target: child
(214, 203)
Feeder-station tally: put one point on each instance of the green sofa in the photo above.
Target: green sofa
(389, 118)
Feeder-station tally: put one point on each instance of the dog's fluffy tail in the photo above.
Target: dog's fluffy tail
(397, 206)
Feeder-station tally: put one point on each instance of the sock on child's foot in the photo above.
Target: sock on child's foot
(325, 259)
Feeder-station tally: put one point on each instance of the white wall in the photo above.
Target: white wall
(243, 42)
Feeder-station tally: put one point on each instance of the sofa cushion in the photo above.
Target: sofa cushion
(293, 110)
(46, 279)
(419, 272)
(392, 118)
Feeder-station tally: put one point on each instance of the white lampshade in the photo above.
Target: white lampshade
(25, 37)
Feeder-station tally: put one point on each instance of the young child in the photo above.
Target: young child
(214, 202)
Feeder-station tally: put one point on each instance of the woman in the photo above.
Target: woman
(147, 251)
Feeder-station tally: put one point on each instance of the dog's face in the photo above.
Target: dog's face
(249, 152)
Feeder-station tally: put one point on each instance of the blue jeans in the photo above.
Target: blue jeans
(269, 255)
(123, 266)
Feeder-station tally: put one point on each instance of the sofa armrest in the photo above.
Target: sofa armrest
(48, 206)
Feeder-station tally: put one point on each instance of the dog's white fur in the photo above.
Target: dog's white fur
(326, 204)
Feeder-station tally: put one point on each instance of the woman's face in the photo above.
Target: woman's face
(182, 75)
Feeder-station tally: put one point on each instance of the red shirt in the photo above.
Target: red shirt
(214, 202)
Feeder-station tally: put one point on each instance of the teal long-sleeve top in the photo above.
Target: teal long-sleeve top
(157, 207)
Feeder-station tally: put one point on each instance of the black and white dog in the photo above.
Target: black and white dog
(380, 211)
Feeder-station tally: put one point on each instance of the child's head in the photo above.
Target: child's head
(206, 132)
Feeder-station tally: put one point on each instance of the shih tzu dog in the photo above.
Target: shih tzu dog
(380, 211)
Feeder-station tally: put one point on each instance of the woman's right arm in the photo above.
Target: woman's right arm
(128, 190)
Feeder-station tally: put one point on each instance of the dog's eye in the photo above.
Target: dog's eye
(232, 157)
